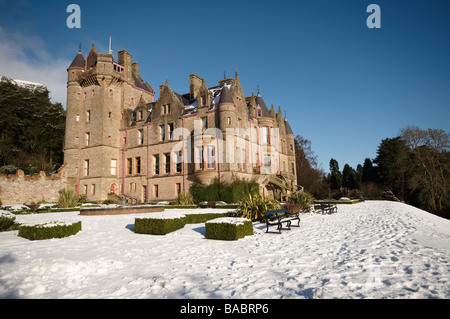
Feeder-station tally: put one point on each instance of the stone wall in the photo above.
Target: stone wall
(23, 189)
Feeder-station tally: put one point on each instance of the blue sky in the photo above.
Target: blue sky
(344, 87)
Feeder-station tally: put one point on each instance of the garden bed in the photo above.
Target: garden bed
(121, 210)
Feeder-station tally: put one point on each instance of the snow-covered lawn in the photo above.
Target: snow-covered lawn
(375, 249)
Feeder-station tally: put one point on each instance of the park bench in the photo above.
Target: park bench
(328, 208)
(279, 217)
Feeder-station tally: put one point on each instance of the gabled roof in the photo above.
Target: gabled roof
(78, 62)
(139, 84)
(264, 110)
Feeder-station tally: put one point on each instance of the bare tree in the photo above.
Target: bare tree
(430, 173)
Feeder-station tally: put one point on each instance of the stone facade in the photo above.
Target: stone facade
(22, 189)
(120, 140)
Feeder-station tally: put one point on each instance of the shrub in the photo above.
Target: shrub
(201, 218)
(48, 231)
(232, 193)
(158, 226)
(253, 207)
(303, 199)
(68, 199)
(113, 199)
(184, 198)
(6, 220)
(345, 192)
(228, 228)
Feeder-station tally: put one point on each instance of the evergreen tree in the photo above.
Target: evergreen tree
(349, 177)
(31, 129)
(335, 177)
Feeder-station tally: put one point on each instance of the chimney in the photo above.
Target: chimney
(196, 83)
(135, 68)
(125, 61)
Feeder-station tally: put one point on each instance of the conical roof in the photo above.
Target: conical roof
(288, 127)
(264, 110)
(78, 62)
(225, 96)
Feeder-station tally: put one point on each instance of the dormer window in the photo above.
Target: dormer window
(203, 100)
(259, 113)
(140, 115)
(165, 109)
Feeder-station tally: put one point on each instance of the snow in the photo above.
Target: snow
(375, 249)
(228, 220)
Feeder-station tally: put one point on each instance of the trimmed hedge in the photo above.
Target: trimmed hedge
(201, 218)
(163, 226)
(155, 226)
(6, 220)
(235, 229)
(47, 231)
(232, 193)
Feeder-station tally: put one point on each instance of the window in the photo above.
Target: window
(259, 113)
(165, 109)
(291, 147)
(210, 157)
(162, 133)
(138, 165)
(112, 189)
(140, 115)
(267, 160)
(144, 193)
(93, 189)
(86, 168)
(77, 117)
(203, 99)
(77, 140)
(113, 167)
(110, 93)
(110, 115)
(265, 135)
(130, 166)
(88, 115)
(88, 139)
(170, 132)
(85, 189)
(243, 158)
(229, 121)
(155, 191)
(155, 164)
(110, 140)
(167, 163)
(238, 157)
(140, 137)
(204, 122)
(293, 168)
(177, 189)
(200, 157)
(179, 167)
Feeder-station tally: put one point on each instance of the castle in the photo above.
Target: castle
(120, 140)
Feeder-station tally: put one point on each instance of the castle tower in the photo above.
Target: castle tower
(98, 92)
(73, 117)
